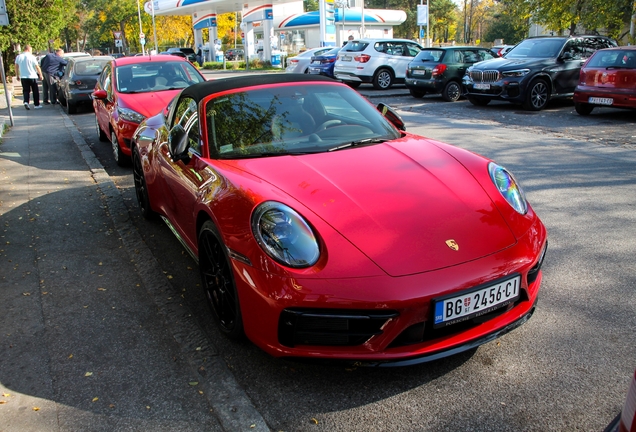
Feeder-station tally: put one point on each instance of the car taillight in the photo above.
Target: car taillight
(76, 82)
(331, 60)
(438, 70)
(362, 58)
(293, 61)
(627, 423)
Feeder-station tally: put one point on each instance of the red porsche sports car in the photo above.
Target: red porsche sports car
(322, 229)
(131, 89)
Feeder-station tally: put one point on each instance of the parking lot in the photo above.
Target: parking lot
(566, 369)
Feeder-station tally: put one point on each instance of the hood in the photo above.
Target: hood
(504, 64)
(149, 103)
(399, 203)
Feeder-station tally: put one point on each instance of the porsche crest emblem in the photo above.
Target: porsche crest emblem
(452, 244)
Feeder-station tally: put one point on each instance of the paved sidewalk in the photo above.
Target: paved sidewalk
(84, 343)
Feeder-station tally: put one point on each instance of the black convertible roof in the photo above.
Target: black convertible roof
(201, 90)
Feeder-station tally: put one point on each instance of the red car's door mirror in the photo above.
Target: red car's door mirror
(391, 115)
(178, 142)
(100, 94)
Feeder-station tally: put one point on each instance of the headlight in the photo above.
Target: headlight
(284, 235)
(130, 115)
(508, 187)
(516, 73)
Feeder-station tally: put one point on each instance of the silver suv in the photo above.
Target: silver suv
(381, 62)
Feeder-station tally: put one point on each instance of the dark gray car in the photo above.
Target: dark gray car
(79, 79)
(535, 71)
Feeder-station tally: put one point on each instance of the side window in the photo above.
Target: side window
(104, 80)
(186, 115)
(574, 47)
(591, 45)
(470, 56)
(485, 55)
(412, 49)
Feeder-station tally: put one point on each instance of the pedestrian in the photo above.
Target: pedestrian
(28, 70)
(200, 57)
(52, 67)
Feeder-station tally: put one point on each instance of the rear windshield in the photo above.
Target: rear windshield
(90, 67)
(355, 46)
(430, 55)
(625, 59)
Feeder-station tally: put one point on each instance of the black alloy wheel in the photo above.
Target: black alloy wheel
(383, 79)
(452, 92)
(218, 283)
(141, 190)
(537, 95)
(583, 108)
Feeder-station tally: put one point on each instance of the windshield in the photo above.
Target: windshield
(292, 119)
(536, 48)
(156, 76)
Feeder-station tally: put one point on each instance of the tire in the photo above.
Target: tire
(120, 157)
(383, 79)
(537, 95)
(218, 282)
(353, 84)
(71, 108)
(583, 108)
(141, 189)
(478, 101)
(100, 133)
(419, 94)
(452, 92)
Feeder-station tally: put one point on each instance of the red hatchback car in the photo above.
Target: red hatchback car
(131, 89)
(322, 229)
(608, 79)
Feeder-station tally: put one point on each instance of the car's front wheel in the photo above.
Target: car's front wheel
(141, 190)
(120, 157)
(417, 93)
(383, 79)
(452, 92)
(537, 95)
(477, 101)
(218, 282)
(583, 108)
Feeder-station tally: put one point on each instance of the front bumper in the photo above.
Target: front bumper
(402, 308)
(510, 89)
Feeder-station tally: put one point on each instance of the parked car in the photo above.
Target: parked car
(322, 64)
(131, 89)
(79, 79)
(381, 62)
(625, 421)
(501, 50)
(300, 63)
(322, 229)
(70, 55)
(607, 79)
(535, 71)
(234, 54)
(440, 70)
(188, 53)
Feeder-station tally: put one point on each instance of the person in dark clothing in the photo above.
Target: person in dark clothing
(52, 65)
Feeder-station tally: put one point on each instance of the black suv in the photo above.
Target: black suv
(184, 52)
(533, 72)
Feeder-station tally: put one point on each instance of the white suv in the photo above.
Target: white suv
(381, 62)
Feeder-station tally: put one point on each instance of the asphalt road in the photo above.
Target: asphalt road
(566, 369)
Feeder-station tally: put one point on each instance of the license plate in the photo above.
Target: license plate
(601, 101)
(481, 86)
(316, 62)
(345, 58)
(418, 72)
(476, 302)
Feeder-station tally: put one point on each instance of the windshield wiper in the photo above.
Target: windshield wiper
(359, 142)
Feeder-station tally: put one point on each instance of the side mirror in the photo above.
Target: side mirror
(391, 115)
(100, 94)
(178, 142)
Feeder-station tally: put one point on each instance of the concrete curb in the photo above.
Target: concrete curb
(231, 405)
